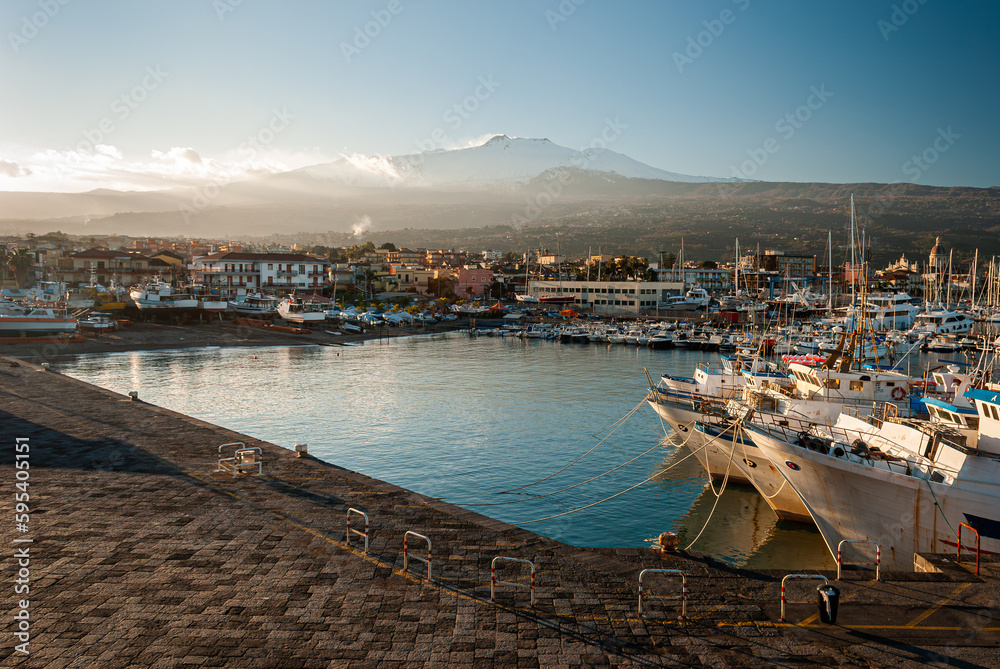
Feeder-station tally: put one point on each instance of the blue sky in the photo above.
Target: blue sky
(166, 92)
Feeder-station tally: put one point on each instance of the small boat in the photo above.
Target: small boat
(296, 311)
(255, 305)
(98, 322)
(160, 297)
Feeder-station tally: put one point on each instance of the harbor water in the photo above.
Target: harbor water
(489, 424)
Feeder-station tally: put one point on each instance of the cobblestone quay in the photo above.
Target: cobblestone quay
(142, 555)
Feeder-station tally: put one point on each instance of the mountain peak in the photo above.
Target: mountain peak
(502, 163)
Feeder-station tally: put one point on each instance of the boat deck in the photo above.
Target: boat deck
(141, 554)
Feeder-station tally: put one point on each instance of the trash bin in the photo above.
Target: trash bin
(827, 598)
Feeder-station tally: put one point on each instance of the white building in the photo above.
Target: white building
(712, 280)
(276, 273)
(609, 297)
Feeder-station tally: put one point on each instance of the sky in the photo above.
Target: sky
(162, 93)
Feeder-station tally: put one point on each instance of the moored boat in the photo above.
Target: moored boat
(905, 484)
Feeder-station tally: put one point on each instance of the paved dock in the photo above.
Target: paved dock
(142, 555)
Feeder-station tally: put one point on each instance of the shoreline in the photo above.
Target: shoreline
(222, 334)
(144, 554)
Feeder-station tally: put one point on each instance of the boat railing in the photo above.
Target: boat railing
(859, 447)
(705, 404)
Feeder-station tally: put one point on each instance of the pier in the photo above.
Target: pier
(144, 553)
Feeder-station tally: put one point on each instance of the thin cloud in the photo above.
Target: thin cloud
(70, 170)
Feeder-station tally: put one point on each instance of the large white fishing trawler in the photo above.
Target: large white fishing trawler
(905, 484)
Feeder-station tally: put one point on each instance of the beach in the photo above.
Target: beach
(159, 336)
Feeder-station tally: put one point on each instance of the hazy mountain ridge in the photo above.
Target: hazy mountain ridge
(506, 181)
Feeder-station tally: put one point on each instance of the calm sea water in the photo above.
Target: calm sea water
(466, 419)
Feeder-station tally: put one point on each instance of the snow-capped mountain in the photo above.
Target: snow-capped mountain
(502, 163)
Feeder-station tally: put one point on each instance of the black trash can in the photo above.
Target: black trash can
(827, 598)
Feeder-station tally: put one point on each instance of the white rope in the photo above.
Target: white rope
(736, 432)
(576, 485)
(620, 422)
(657, 475)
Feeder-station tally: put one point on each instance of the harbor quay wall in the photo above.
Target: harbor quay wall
(132, 550)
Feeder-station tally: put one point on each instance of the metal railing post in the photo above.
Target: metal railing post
(878, 555)
(222, 459)
(494, 582)
(359, 532)
(797, 601)
(958, 558)
(682, 596)
(406, 552)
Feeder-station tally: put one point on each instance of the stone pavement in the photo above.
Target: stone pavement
(143, 556)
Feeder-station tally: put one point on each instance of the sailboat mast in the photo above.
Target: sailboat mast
(975, 259)
(829, 269)
(736, 289)
(948, 293)
(853, 261)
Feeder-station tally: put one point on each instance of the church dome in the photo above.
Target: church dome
(937, 250)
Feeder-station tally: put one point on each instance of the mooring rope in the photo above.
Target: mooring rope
(576, 485)
(746, 459)
(657, 475)
(620, 422)
(736, 435)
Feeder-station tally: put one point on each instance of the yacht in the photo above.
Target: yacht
(696, 298)
(887, 311)
(944, 321)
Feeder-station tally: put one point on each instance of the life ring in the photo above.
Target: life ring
(898, 393)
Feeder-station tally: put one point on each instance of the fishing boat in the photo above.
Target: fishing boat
(255, 304)
(17, 321)
(684, 401)
(907, 485)
(97, 321)
(209, 301)
(296, 311)
(161, 298)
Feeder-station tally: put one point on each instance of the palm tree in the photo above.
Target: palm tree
(20, 261)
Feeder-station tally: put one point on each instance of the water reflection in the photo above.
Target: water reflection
(464, 419)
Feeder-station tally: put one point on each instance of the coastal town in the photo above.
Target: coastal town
(803, 375)
(79, 273)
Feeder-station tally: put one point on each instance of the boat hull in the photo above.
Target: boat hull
(14, 326)
(855, 502)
